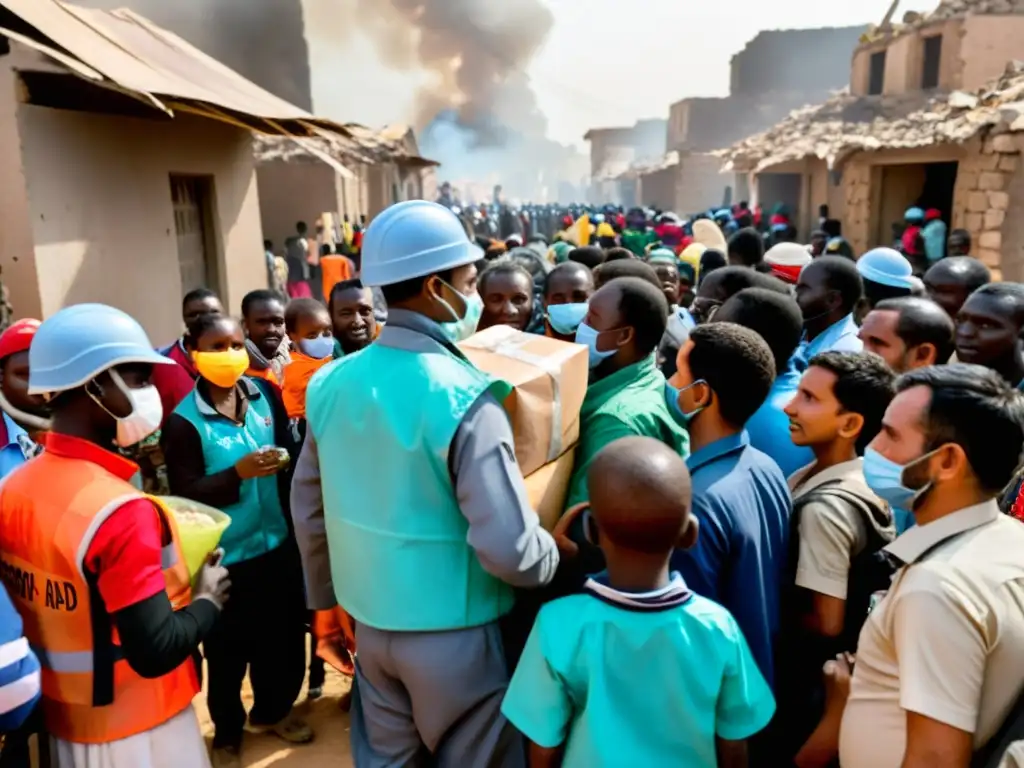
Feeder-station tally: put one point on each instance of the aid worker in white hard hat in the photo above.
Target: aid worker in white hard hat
(408, 478)
(94, 567)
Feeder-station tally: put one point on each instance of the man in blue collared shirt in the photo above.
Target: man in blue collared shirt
(740, 496)
(828, 291)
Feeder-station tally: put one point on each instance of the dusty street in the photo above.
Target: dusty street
(328, 750)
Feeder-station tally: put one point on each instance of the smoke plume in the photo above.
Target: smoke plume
(477, 50)
(478, 113)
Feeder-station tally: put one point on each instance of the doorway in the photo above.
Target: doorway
(785, 188)
(190, 198)
(924, 185)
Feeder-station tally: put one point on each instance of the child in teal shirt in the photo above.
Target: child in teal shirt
(637, 670)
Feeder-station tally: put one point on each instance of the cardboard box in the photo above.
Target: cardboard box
(548, 488)
(550, 381)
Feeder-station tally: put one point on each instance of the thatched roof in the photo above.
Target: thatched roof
(846, 124)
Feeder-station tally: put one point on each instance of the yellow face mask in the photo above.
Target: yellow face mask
(222, 369)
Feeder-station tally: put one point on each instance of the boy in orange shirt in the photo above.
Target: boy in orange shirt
(308, 325)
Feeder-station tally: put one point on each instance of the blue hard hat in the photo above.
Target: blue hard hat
(886, 266)
(914, 214)
(79, 342)
(414, 239)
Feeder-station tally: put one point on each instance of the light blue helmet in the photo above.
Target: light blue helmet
(414, 239)
(80, 342)
(886, 266)
(914, 214)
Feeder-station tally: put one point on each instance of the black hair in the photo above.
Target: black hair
(201, 325)
(922, 321)
(300, 308)
(573, 267)
(962, 235)
(734, 279)
(712, 259)
(747, 246)
(260, 296)
(738, 366)
(618, 254)
(775, 316)
(864, 384)
(876, 293)
(975, 408)
(339, 287)
(198, 294)
(644, 308)
(967, 269)
(589, 255)
(627, 268)
(507, 267)
(1012, 291)
(300, 225)
(397, 293)
(841, 275)
(268, 245)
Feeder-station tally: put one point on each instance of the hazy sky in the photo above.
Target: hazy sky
(605, 63)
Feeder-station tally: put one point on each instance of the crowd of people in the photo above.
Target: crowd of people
(792, 535)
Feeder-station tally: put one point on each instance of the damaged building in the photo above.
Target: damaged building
(932, 118)
(776, 72)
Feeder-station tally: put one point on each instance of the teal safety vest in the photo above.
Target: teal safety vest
(384, 420)
(257, 519)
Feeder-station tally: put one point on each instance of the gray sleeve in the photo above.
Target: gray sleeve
(310, 533)
(504, 530)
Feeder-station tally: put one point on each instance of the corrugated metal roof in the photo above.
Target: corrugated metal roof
(135, 55)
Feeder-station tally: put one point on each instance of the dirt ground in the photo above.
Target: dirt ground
(330, 748)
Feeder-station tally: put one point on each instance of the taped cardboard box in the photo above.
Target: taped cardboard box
(548, 488)
(549, 380)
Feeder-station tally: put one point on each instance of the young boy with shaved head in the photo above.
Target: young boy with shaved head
(637, 670)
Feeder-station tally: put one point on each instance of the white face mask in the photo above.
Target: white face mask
(145, 418)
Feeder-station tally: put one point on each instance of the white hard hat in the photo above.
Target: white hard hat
(414, 239)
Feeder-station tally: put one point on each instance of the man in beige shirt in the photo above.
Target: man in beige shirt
(940, 662)
(839, 524)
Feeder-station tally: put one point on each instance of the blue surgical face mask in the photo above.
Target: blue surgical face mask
(672, 396)
(885, 477)
(461, 328)
(566, 318)
(587, 336)
(318, 348)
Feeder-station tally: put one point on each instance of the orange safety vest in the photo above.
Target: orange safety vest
(50, 510)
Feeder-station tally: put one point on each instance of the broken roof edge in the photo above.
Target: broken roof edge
(914, 120)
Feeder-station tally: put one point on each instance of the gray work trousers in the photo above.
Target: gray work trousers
(432, 699)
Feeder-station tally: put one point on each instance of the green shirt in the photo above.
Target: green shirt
(637, 240)
(630, 402)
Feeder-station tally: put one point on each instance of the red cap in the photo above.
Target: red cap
(18, 337)
(932, 213)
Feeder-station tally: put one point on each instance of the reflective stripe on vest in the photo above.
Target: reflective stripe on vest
(72, 662)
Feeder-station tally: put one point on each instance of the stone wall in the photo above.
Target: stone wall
(988, 201)
(981, 202)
